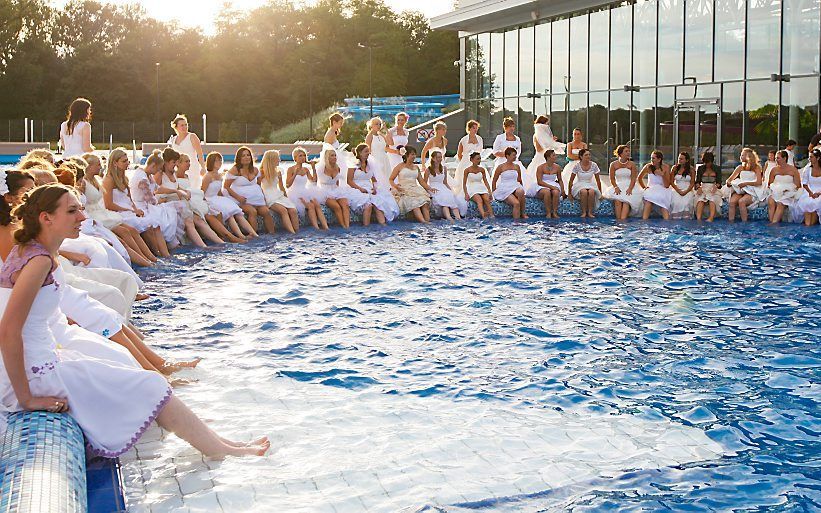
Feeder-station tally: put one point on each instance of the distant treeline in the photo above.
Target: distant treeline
(256, 68)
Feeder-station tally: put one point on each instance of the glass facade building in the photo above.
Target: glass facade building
(674, 75)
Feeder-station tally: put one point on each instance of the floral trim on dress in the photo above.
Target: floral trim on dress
(113, 454)
(46, 367)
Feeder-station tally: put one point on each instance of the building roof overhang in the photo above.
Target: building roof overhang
(488, 15)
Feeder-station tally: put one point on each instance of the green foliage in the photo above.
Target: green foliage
(230, 132)
(265, 132)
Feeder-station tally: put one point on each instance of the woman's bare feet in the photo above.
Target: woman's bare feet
(141, 297)
(172, 367)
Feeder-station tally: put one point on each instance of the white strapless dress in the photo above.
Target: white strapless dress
(656, 193)
(623, 177)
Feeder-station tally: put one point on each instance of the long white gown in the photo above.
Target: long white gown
(112, 402)
(759, 193)
(444, 196)
(501, 144)
(101, 254)
(382, 200)
(459, 197)
(467, 149)
(381, 162)
(187, 147)
(164, 216)
(302, 189)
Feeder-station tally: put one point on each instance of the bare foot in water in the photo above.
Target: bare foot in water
(141, 297)
(172, 367)
(248, 450)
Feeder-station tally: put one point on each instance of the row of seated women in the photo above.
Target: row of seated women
(63, 350)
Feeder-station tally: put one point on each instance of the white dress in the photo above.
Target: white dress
(681, 207)
(398, 140)
(72, 144)
(123, 200)
(227, 207)
(759, 193)
(163, 216)
(709, 192)
(101, 255)
(806, 204)
(273, 194)
(784, 191)
(567, 170)
(187, 147)
(501, 144)
(86, 311)
(586, 180)
(383, 199)
(92, 228)
(656, 193)
(113, 403)
(95, 208)
(302, 189)
(249, 189)
(467, 149)
(197, 201)
(461, 204)
(506, 184)
(331, 187)
(443, 197)
(476, 184)
(623, 177)
(381, 162)
(116, 290)
(544, 136)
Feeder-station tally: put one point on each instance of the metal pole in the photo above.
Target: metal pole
(204, 128)
(26, 130)
(159, 121)
(311, 108)
(370, 75)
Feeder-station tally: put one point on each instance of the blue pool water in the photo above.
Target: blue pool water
(715, 327)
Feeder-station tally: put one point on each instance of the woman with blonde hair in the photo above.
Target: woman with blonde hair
(330, 191)
(436, 143)
(746, 185)
(187, 143)
(379, 151)
(300, 181)
(228, 209)
(396, 136)
(274, 191)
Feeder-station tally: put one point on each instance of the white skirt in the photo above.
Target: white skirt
(659, 195)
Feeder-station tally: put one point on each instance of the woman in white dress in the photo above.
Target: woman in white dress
(112, 402)
(585, 184)
(300, 182)
(707, 192)
(437, 142)
(573, 148)
(170, 194)
(241, 182)
(548, 186)
(655, 180)
(329, 190)
(365, 194)
(379, 152)
(623, 192)
(143, 188)
(468, 145)
(187, 143)
(746, 186)
(95, 209)
(410, 190)
(507, 184)
(505, 140)
(200, 206)
(476, 187)
(785, 188)
(543, 139)
(117, 198)
(75, 131)
(769, 165)
(396, 136)
(809, 205)
(682, 182)
(443, 200)
(228, 209)
(274, 191)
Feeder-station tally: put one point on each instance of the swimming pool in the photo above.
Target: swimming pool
(500, 366)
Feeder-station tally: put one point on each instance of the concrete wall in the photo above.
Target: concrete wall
(18, 148)
(227, 149)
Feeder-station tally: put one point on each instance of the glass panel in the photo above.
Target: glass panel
(471, 90)
(664, 121)
(670, 41)
(578, 53)
(494, 128)
(762, 116)
(764, 27)
(644, 54)
(596, 136)
(732, 125)
(801, 35)
(620, 102)
(599, 44)
(621, 54)
(512, 111)
(483, 64)
(578, 116)
(526, 117)
(698, 40)
(497, 63)
(644, 117)
(526, 60)
(511, 63)
(799, 113)
(542, 58)
(560, 52)
(483, 117)
(707, 131)
(729, 52)
(558, 114)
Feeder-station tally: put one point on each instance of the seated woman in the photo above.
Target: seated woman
(507, 183)
(444, 199)
(117, 198)
(329, 191)
(475, 185)
(708, 178)
(202, 210)
(624, 194)
(228, 209)
(242, 184)
(366, 196)
(809, 206)
(274, 191)
(113, 403)
(655, 180)
(682, 182)
(785, 188)
(300, 183)
(585, 183)
(548, 185)
(410, 190)
(746, 186)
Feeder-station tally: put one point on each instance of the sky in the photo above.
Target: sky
(199, 13)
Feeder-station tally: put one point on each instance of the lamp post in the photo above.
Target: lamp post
(370, 48)
(310, 101)
(159, 121)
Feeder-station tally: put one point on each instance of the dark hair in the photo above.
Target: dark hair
(815, 153)
(40, 199)
(169, 154)
(358, 151)
(583, 152)
(77, 111)
(771, 152)
(620, 149)
(791, 142)
(541, 120)
(548, 153)
(707, 160)
(408, 150)
(783, 154)
(510, 150)
(14, 181)
(687, 166)
(475, 154)
(238, 158)
(430, 163)
(708, 156)
(660, 155)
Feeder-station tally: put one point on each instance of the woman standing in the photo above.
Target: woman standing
(187, 143)
(329, 191)
(505, 140)
(397, 136)
(682, 181)
(437, 142)
(443, 197)
(379, 151)
(573, 149)
(242, 184)
(543, 140)
(468, 145)
(809, 206)
(474, 183)
(274, 191)
(300, 183)
(785, 187)
(746, 185)
(75, 131)
(708, 176)
(585, 184)
(507, 184)
(623, 193)
(657, 186)
(411, 192)
(548, 186)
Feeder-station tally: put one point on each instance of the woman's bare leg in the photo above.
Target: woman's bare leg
(205, 229)
(520, 195)
(284, 218)
(320, 216)
(366, 214)
(345, 206)
(267, 219)
(193, 234)
(417, 215)
(245, 226)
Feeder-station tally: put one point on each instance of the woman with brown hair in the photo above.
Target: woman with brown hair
(75, 131)
(242, 184)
